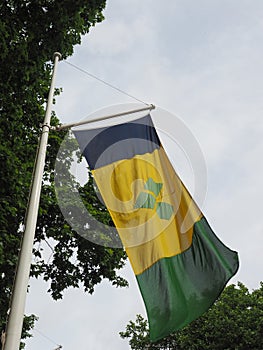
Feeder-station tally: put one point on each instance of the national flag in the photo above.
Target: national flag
(180, 265)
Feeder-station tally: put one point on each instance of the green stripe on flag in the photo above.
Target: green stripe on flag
(179, 289)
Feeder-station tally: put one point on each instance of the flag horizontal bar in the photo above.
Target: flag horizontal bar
(83, 122)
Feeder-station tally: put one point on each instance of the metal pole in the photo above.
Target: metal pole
(83, 122)
(16, 316)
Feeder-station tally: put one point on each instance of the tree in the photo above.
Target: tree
(30, 32)
(234, 322)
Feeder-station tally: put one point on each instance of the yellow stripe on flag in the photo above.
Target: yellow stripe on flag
(151, 209)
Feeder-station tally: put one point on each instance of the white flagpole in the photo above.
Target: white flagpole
(83, 122)
(16, 316)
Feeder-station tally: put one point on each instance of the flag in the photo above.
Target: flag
(180, 265)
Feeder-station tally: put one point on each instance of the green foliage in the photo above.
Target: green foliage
(30, 32)
(28, 324)
(138, 332)
(234, 322)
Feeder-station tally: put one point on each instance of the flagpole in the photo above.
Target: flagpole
(83, 122)
(16, 316)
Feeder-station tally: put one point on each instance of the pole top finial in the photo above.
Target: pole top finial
(57, 54)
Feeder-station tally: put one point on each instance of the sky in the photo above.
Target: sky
(201, 61)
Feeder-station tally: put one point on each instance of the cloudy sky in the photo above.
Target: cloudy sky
(202, 62)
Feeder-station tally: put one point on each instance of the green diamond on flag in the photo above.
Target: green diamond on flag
(145, 200)
(153, 186)
(164, 210)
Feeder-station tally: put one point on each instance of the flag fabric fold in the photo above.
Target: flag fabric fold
(180, 265)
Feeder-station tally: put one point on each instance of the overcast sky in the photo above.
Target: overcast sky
(202, 62)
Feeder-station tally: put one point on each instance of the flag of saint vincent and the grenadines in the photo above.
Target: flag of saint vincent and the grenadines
(180, 265)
